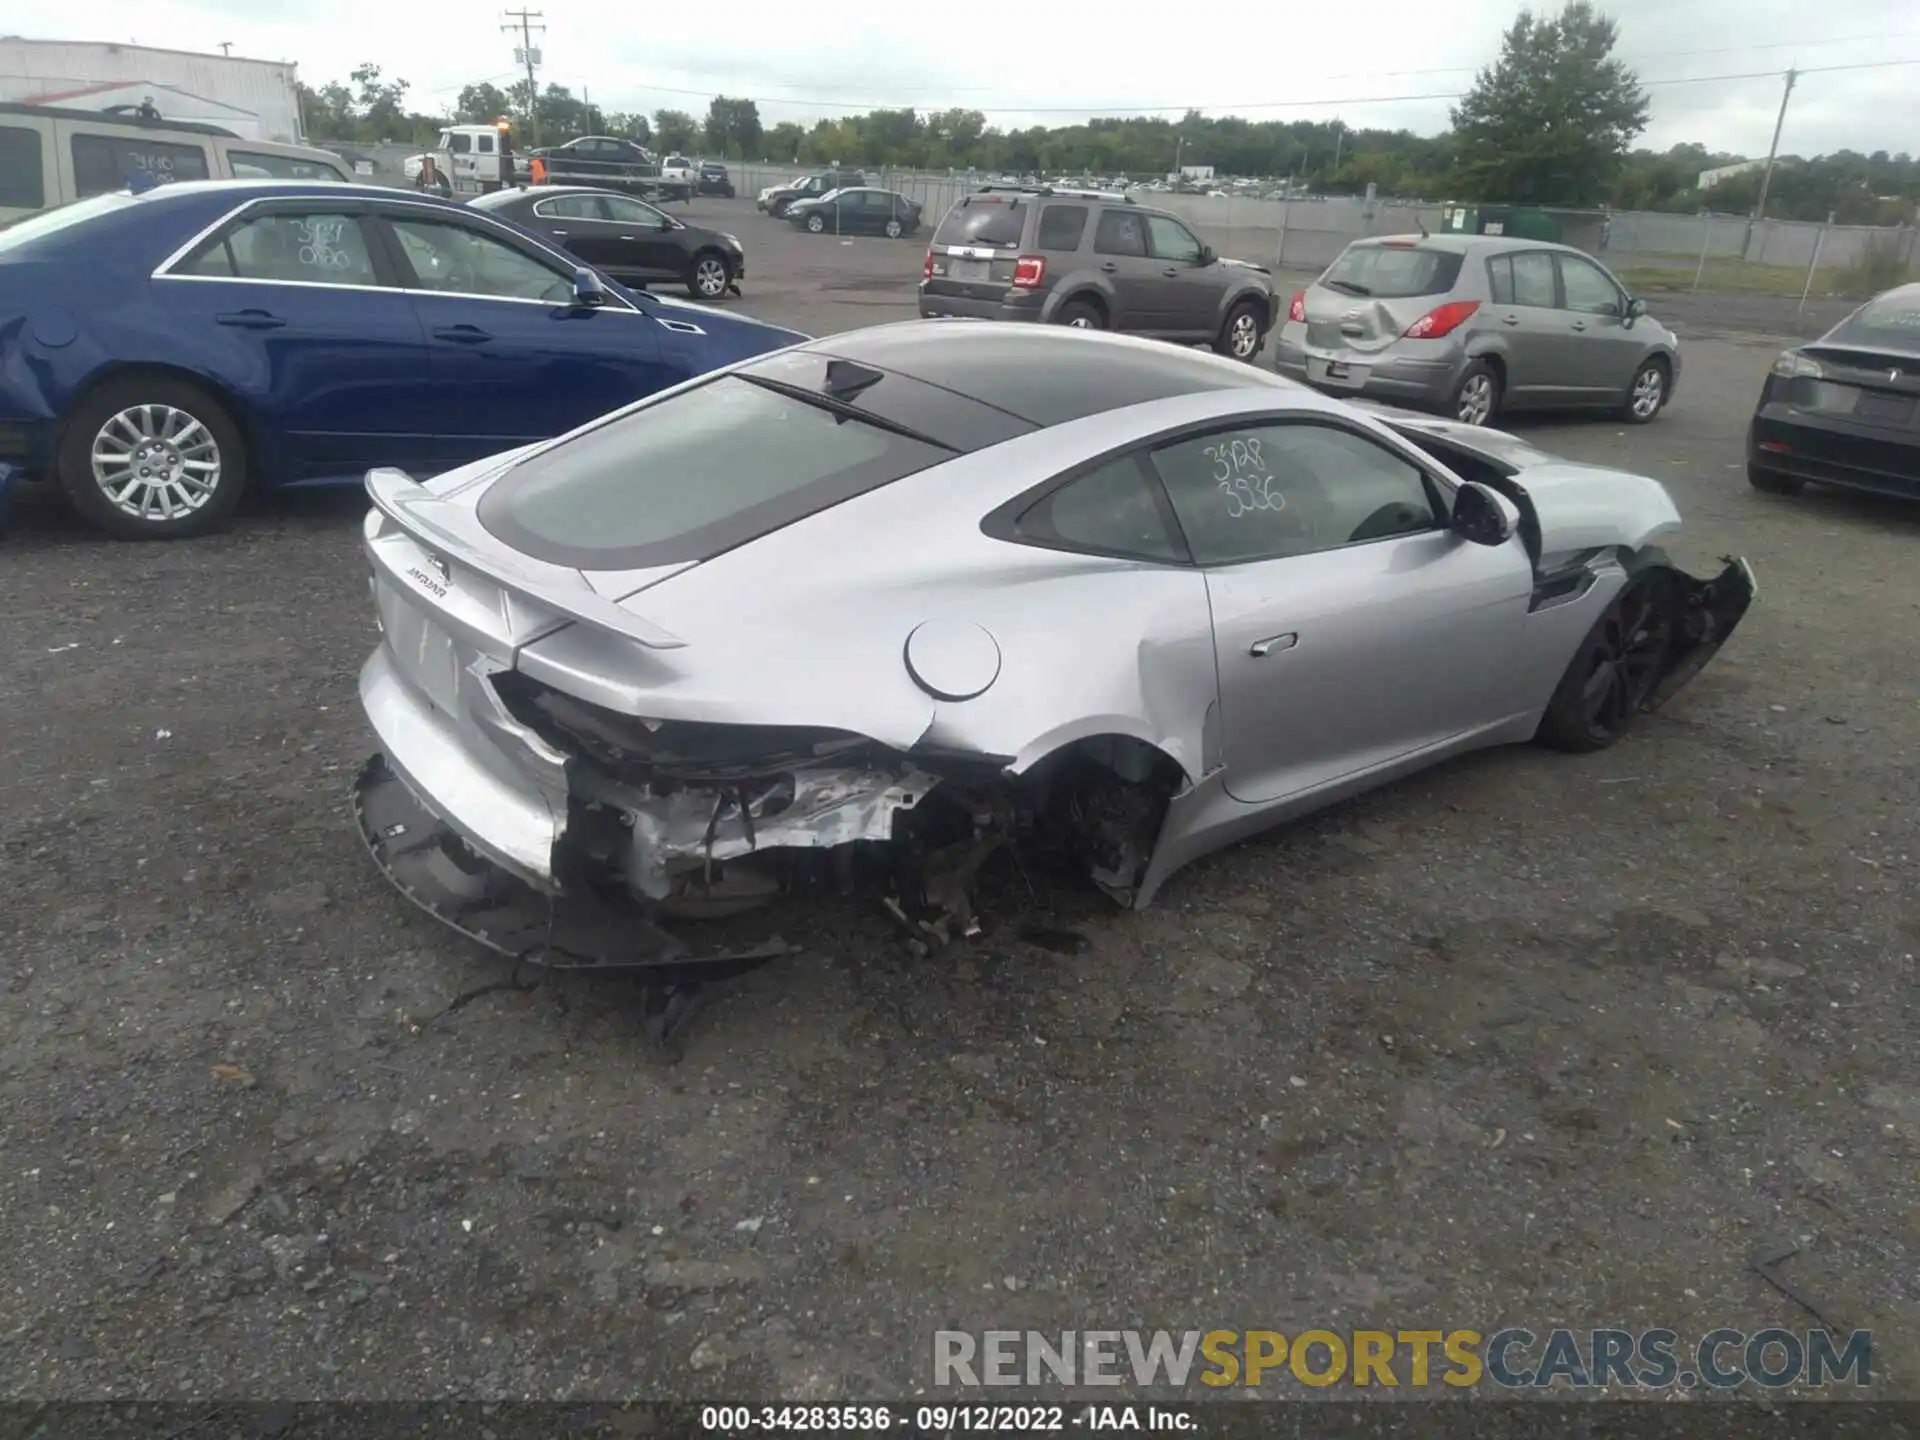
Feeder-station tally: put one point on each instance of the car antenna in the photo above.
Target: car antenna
(845, 379)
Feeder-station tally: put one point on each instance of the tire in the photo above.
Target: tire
(1616, 667)
(1476, 399)
(1081, 315)
(1772, 482)
(779, 208)
(816, 223)
(1240, 334)
(895, 229)
(1647, 394)
(708, 276)
(188, 430)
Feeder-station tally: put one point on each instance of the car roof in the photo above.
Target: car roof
(1463, 244)
(1045, 375)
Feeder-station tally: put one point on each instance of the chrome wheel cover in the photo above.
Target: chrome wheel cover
(1649, 389)
(1243, 337)
(710, 277)
(1475, 404)
(156, 462)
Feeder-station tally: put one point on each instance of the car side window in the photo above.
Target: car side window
(630, 212)
(483, 143)
(1533, 279)
(1172, 241)
(460, 144)
(1061, 227)
(1587, 287)
(102, 163)
(1500, 279)
(22, 175)
(1111, 510)
(570, 207)
(1120, 233)
(457, 260)
(1264, 492)
(318, 248)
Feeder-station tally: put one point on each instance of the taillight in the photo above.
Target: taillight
(926, 270)
(1443, 321)
(1029, 271)
(1297, 311)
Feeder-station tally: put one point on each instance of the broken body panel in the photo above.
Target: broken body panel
(567, 755)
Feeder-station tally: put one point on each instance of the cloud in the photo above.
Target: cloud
(1368, 63)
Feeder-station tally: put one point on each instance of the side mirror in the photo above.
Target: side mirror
(1483, 515)
(588, 292)
(1207, 257)
(1635, 309)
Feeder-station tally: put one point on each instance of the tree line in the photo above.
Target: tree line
(1551, 120)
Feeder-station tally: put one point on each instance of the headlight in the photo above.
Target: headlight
(733, 240)
(1792, 365)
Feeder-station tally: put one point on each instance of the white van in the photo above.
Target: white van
(51, 155)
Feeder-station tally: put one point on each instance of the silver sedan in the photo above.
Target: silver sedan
(1473, 325)
(870, 608)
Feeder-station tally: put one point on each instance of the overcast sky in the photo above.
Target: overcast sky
(1390, 63)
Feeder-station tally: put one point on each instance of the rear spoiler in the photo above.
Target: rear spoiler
(399, 497)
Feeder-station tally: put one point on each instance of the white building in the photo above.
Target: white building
(253, 98)
(1710, 178)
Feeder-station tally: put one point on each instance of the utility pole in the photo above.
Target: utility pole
(522, 21)
(1773, 153)
(226, 47)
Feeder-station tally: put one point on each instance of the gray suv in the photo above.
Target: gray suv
(1095, 261)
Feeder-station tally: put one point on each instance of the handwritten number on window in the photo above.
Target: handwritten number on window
(1240, 470)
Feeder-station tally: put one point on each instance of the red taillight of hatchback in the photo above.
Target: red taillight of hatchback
(1029, 271)
(926, 270)
(1443, 321)
(1297, 311)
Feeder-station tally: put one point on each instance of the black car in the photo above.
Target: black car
(857, 210)
(625, 237)
(1845, 409)
(711, 178)
(776, 198)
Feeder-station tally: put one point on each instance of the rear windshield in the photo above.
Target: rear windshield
(984, 220)
(24, 233)
(1891, 322)
(692, 476)
(1393, 271)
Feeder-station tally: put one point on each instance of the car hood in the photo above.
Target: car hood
(1245, 265)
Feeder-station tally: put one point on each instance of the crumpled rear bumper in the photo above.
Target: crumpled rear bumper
(430, 864)
(1713, 609)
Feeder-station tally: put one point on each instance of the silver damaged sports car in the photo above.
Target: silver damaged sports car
(874, 606)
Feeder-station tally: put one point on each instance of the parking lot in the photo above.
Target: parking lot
(1533, 1039)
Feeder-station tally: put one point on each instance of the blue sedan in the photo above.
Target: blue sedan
(161, 352)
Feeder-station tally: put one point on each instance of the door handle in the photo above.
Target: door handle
(462, 334)
(250, 320)
(1579, 324)
(1260, 649)
(1171, 271)
(1109, 267)
(556, 232)
(1509, 319)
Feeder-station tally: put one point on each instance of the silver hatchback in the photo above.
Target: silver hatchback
(1476, 324)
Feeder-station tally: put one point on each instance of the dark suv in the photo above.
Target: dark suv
(711, 178)
(776, 198)
(1095, 261)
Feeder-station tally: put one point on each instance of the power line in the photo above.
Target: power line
(1218, 109)
(1466, 69)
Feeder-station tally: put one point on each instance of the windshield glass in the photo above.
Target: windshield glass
(691, 476)
(1887, 322)
(52, 222)
(1393, 271)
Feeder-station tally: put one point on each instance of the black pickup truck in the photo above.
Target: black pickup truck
(610, 162)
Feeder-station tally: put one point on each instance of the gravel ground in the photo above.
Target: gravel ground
(1531, 1038)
